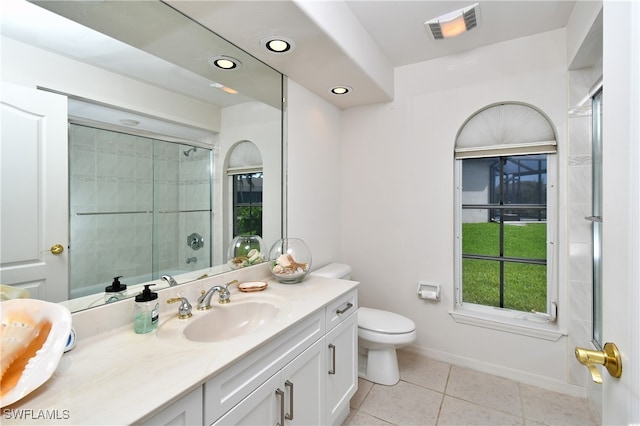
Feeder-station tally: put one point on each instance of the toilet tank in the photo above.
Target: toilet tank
(334, 270)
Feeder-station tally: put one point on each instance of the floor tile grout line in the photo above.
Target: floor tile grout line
(444, 393)
(521, 402)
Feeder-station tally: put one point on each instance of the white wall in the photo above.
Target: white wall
(314, 181)
(398, 189)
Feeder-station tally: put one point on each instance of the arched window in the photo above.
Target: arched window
(245, 170)
(503, 129)
(505, 228)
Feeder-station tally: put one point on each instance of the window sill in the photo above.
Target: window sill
(516, 322)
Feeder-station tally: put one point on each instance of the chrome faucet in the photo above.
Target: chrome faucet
(170, 280)
(204, 301)
(191, 259)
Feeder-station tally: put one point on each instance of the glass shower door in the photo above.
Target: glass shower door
(139, 208)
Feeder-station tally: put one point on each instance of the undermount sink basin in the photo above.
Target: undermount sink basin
(227, 321)
(223, 322)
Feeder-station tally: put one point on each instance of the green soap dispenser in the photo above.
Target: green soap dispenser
(146, 314)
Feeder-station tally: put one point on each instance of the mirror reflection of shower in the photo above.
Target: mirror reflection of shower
(133, 201)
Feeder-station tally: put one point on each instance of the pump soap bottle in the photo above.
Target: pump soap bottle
(116, 291)
(146, 315)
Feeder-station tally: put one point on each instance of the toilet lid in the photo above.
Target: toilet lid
(384, 321)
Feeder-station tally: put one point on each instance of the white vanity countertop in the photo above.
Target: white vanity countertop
(120, 377)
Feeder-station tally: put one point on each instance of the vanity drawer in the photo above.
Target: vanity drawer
(228, 388)
(339, 310)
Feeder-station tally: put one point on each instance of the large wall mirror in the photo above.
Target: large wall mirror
(150, 128)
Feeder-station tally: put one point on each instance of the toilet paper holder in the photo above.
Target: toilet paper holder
(428, 291)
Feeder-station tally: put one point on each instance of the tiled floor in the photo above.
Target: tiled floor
(436, 393)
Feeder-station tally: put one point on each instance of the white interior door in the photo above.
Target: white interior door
(621, 208)
(34, 198)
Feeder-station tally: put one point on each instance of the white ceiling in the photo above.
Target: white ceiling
(359, 42)
(397, 26)
(352, 42)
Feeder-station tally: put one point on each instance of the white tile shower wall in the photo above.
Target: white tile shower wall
(579, 232)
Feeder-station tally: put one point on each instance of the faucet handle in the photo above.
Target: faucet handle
(226, 286)
(224, 293)
(184, 310)
(224, 296)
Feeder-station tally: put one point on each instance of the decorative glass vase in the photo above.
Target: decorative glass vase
(246, 250)
(290, 260)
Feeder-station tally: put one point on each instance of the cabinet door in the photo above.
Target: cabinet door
(295, 394)
(342, 368)
(261, 407)
(235, 383)
(186, 411)
(303, 381)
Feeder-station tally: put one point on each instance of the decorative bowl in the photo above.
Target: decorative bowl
(290, 260)
(246, 250)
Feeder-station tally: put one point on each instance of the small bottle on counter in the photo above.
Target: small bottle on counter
(146, 315)
(116, 291)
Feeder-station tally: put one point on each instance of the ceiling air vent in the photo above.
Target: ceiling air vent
(436, 31)
(470, 20)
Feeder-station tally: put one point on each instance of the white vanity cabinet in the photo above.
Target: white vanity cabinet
(232, 381)
(305, 376)
(250, 384)
(293, 396)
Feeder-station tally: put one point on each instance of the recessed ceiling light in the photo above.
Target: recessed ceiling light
(225, 62)
(278, 44)
(340, 90)
(453, 23)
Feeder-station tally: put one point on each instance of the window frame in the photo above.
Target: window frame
(540, 325)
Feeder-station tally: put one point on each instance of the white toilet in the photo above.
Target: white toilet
(380, 333)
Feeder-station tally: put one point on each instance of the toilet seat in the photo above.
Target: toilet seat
(384, 322)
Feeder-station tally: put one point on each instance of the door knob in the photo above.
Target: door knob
(56, 249)
(609, 357)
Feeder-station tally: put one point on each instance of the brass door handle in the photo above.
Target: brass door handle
(609, 357)
(56, 249)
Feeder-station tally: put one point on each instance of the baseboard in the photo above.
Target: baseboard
(499, 370)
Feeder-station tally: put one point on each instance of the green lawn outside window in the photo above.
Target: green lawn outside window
(525, 284)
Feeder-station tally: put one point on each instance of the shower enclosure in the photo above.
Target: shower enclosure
(139, 208)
